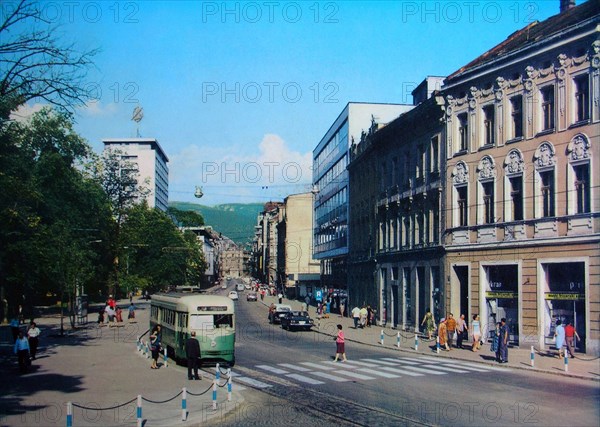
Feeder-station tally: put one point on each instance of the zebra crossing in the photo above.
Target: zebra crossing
(368, 369)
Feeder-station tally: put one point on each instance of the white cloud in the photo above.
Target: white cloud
(25, 111)
(227, 175)
(98, 109)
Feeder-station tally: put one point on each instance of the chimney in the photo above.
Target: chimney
(566, 5)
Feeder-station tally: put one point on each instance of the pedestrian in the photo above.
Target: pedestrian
(110, 314)
(570, 335)
(476, 331)
(262, 294)
(21, 315)
(503, 341)
(101, 317)
(462, 331)
(307, 300)
(342, 307)
(369, 315)
(280, 297)
(443, 334)
(111, 302)
(155, 345)
(33, 333)
(356, 316)
(130, 297)
(451, 327)
(22, 351)
(192, 352)
(14, 327)
(495, 346)
(429, 323)
(559, 336)
(363, 316)
(131, 310)
(340, 344)
(119, 315)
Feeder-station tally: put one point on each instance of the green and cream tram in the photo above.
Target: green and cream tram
(212, 317)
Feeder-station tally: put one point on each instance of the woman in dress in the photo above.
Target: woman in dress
(476, 331)
(429, 323)
(443, 334)
(340, 345)
(155, 346)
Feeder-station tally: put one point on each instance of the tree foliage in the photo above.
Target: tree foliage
(185, 218)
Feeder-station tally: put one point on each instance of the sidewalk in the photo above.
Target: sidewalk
(100, 367)
(581, 366)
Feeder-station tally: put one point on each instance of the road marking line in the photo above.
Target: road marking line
(402, 372)
(272, 369)
(354, 374)
(380, 373)
(359, 363)
(252, 382)
(304, 379)
(341, 365)
(466, 365)
(295, 367)
(316, 365)
(471, 369)
(329, 377)
(380, 362)
(425, 371)
(447, 368)
(401, 361)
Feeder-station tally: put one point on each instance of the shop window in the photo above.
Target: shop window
(516, 103)
(463, 132)
(582, 97)
(547, 94)
(582, 187)
(516, 197)
(488, 125)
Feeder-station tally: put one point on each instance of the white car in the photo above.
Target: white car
(233, 295)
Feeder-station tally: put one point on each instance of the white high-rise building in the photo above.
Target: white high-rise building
(151, 160)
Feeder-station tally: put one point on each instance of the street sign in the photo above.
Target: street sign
(319, 295)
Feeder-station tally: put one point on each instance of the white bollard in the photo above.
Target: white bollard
(165, 357)
(139, 411)
(229, 384)
(416, 342)
(566, 361)
(437, 344)
(398, 340)
(184, 404)
(69, 414)
(532, 356)
(214, 395)
(381, 337)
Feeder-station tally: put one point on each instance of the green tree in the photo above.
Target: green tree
(185, 218)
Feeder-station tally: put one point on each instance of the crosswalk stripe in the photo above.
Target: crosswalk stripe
(424, 371)
(329, 377)
(295, 367)
(467, 365)
(380, 362)
(341, 364)
(470, 368)
(379, 373)
(316, 365)
(252, 382)
(304, 379)
(360, 363)
(447, 368)
(354, 374)
(402, 372)
(412, 359)
(401, 361)
(272, 369)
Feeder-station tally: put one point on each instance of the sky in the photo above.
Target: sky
(238, 94)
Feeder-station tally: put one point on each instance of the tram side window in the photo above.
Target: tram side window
(182, 319)
(154, 313)
(223, 320)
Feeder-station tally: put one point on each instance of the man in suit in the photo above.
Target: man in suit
(192, 352)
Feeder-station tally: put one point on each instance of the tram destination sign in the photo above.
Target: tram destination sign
(565, 296)
(500, 294)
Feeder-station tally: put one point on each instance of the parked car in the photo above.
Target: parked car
(251, 296)
(278, 311)
(233, 295)
(239, 287)
(294, 320)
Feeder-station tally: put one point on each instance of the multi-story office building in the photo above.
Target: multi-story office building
(395, 258)
(151, 162)
(330, 184)
(523, 200)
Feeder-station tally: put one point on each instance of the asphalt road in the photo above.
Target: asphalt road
(289, 378)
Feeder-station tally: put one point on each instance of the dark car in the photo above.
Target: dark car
(296, 320)
(251, 296)
(277, 312)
